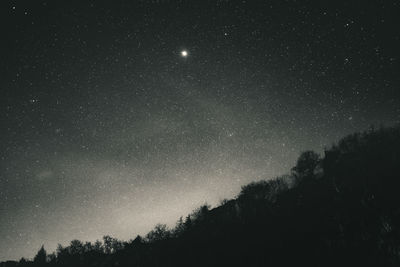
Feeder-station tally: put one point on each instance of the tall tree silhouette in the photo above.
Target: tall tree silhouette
(40, 258)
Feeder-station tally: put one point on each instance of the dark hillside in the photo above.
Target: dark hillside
(342, 209)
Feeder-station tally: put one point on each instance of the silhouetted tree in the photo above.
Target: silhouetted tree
(263, 190)
(199, 214)
(98, 246)
(40, 258)
(52, 258)
(160, 232)
(88, 247)
(188, 222)
(306, 166)
(76, 247)
(22, 262)
(179, 228)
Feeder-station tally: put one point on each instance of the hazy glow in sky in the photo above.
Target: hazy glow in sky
(106, 129)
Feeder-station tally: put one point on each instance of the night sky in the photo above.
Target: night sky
(117, 116)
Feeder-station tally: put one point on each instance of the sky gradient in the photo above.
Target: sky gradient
(107, 129)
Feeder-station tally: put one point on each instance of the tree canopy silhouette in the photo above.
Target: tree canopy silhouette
(342, 209)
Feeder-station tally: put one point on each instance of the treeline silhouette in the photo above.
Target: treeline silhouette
(342, 209)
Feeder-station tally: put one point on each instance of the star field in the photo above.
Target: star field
(117, 116)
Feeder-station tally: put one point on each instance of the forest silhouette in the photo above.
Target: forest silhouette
(339, 209)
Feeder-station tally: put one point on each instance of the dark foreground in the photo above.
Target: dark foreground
(339, 210)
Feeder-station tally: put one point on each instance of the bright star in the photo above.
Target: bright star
(184, 53)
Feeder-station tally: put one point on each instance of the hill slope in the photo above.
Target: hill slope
(339, 210)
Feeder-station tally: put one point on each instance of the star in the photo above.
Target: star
(184, 53)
